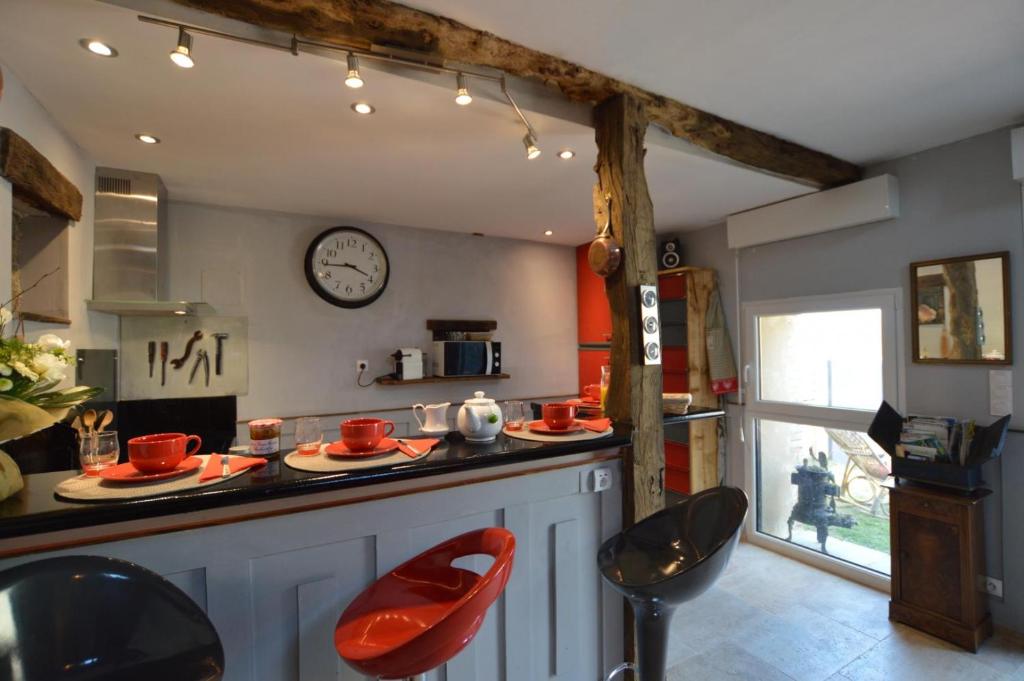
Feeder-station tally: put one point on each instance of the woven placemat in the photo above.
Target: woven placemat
(83, 488)
(583, 435)
(322, 463)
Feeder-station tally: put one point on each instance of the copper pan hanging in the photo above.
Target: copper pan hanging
(605, 253)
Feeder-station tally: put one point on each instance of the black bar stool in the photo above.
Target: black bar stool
(84, 618)
(667, 559)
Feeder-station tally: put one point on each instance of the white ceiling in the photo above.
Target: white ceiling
(262, 129)
(865, 80)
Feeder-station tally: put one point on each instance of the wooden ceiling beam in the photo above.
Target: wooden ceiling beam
(350, 23)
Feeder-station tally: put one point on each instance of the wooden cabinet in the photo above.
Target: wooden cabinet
(938, 559)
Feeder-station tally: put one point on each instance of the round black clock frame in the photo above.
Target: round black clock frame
(311, 276)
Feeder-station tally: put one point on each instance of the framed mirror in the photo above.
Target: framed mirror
(960, 310)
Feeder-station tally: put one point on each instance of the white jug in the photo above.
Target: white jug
(435, 417)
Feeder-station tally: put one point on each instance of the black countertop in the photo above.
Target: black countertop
(36, 510)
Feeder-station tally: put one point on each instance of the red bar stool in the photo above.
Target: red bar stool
(425, 611)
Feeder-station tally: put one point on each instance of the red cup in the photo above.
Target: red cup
(363, 435)
(592, 391)
(161, 452)
(559, 415)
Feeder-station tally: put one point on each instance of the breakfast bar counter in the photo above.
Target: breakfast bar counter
(275, 555)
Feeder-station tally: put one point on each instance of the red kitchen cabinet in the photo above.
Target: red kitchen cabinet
(593, 315)
(676, 373)
(591, 361)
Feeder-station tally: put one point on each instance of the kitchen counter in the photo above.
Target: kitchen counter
(36, 510)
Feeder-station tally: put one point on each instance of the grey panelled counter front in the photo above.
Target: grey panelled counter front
(275, 584)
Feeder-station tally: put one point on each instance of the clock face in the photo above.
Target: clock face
(347, 267)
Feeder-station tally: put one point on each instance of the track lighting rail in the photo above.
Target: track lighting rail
(297, 45)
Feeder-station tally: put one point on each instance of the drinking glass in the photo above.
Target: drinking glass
(98, 451)
(515, 414)
(308, 436)
(606, 379)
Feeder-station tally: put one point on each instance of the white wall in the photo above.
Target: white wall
(302, 351)
(20, 112)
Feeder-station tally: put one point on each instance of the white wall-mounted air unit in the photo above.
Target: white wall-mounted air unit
(859, 203)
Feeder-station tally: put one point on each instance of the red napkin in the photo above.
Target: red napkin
(235, 464)
(419, 445)
(597, 425)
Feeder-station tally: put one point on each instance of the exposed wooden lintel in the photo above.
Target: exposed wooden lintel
(350, 23)
(35, 180)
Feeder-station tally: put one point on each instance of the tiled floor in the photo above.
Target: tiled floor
(770, 618)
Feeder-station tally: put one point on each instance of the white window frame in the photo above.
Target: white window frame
(890, 302)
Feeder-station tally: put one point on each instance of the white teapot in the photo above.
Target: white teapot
(479, 419)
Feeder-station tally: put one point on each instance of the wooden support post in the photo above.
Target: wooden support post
(700, 286)
(634, 396)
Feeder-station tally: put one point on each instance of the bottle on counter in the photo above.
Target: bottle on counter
(265, 437)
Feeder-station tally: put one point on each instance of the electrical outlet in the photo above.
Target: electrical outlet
(993, 586)
(362, 364)
(595, 480)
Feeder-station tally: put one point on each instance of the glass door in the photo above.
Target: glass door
(817, 370)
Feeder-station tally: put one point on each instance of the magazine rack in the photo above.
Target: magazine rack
(987, 444)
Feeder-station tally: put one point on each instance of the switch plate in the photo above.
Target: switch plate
(595, 480)
(992, 586)
(650, 325)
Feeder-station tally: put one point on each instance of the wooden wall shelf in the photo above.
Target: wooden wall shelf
(386, 380)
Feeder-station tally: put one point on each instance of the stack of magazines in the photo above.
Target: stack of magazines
(935, 438)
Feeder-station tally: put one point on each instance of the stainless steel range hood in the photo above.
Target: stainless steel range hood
(130, 273)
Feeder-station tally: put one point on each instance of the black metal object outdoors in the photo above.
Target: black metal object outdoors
(816, 492)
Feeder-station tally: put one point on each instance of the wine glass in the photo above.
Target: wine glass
(308, 436)
(98, 451)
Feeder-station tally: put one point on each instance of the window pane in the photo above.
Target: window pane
(825, 359)
(839, 508)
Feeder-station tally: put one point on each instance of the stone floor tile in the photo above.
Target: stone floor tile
(726, 662)
(909, 655)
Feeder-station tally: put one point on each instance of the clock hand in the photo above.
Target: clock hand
(348, 265)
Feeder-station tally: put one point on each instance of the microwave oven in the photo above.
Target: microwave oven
(466, 358)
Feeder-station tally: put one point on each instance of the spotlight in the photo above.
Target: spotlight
(566, 154)
(147, 138)
(462, 97)
(98, 47)
(353, 80)
(182, 54)
(548, 232)
(530, 142)
(363, 108)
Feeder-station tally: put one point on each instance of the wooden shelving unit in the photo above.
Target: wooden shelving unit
(386, 380)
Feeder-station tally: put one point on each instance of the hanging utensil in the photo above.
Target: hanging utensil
(605, 253)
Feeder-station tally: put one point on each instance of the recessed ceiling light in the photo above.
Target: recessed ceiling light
(363, 108)
(566, 154)
(548, 232)
(98, 47)
(147, 139)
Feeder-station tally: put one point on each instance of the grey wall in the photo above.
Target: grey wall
(302, 350)
(955, 200)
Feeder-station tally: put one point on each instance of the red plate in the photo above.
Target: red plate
(340, 450)
(126, 472)
(541, 427)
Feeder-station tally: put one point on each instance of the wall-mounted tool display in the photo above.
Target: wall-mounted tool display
(152, 356)
(201, 358)
(180, 362)
(219, 362)
(163, 362)
(212, 353)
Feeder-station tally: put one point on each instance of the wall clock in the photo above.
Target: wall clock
(347, 267)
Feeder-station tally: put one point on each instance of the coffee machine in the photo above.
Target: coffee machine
(408, 363)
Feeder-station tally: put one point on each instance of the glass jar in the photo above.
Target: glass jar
(265, 437)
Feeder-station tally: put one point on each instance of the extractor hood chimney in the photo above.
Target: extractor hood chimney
(129, 270)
